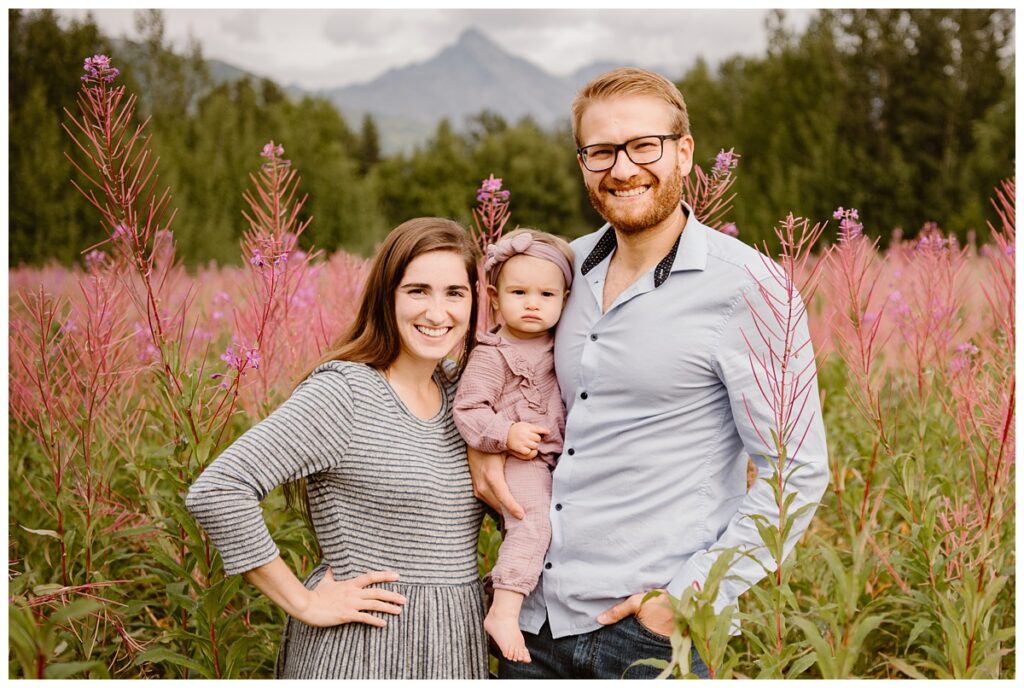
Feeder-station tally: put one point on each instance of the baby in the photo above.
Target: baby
(508, 401)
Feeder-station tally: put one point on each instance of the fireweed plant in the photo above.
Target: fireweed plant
(490, 216)
(128, 375)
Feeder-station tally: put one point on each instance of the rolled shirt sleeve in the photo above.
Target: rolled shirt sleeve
(754, 336)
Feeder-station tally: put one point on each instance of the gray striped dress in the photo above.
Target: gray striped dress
(387, 491)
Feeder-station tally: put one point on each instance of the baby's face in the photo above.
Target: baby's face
(529, 295)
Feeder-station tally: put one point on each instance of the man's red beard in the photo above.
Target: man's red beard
(665, 198)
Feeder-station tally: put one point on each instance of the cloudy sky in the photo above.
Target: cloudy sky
(319, 48)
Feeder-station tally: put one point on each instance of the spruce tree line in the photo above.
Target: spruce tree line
(905, 114)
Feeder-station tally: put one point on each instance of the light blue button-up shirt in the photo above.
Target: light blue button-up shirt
(663, 407)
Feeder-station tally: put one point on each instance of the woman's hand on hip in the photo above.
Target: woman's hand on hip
(334, 602)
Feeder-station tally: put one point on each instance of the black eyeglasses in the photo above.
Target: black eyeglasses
(642, 150)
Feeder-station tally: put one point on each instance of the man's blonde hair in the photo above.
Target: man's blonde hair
(631, 81)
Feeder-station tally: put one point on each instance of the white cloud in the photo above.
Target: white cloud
(327, 48)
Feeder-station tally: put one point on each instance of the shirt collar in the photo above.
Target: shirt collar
(692, 241)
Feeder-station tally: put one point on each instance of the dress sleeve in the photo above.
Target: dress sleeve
(479, 391)
(307, 434)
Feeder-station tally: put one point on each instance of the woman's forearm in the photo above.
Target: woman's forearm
(280, 584)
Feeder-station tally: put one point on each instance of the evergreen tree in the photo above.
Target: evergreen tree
(369, 145)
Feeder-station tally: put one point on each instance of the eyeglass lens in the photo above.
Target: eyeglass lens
(642, 151)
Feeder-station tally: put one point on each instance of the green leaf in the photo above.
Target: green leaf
(905, 667)
(46, 588)
(76, 610)
(824, 655)
(156, 655)
(68, 669)
(801, 665)
(920, 627)
(50, 533)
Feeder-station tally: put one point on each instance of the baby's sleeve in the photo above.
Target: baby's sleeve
(476, 399)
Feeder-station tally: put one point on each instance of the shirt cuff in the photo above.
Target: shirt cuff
(694, 572)
(501, 428)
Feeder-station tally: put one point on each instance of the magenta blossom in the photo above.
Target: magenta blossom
(257, 259)
(730, 229)
(491, 184)
(271, 151)
(121, 231)
(98, 68)
(849, 225)
(95, 259)
(725, 161)
(231, 358)
(252, 357)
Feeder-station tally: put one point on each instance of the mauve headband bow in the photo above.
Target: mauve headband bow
(524, 244)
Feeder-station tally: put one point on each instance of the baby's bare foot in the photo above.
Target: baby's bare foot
(505, 631)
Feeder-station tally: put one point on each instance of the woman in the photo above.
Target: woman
(397, 594)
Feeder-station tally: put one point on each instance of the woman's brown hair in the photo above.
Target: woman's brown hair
(373, 336)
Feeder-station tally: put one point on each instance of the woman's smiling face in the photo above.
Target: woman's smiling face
(433, 303)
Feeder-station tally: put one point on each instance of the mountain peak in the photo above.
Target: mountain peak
(475, 39)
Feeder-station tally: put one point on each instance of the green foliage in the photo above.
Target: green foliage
(905, 114)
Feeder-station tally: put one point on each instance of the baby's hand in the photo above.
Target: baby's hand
(523, 439)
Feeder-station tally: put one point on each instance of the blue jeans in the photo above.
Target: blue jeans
(604, 653)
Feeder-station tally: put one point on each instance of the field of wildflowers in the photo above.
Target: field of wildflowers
(129, 374)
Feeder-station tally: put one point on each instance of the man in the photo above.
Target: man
(663, 403)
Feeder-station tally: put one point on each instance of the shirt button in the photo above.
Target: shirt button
(547, 565)
(583, 395)
(593, 337)
(570, 451)
(558, 507)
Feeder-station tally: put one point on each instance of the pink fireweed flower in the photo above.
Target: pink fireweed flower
(220, 302)
(272, 151)
(725, 162)
(490, 192)
(491, 184)
(148, 353)
(231, 358)
(98, 68)
(849, 227)
(252, 357)
(121, 231)
(95, 259)
(281, 259)
(730, 229)
(257, 259)
(967, 348)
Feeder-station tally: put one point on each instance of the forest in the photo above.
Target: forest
(905, 114)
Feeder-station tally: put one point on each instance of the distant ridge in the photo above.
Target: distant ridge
(464, 78)
(471, 75)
